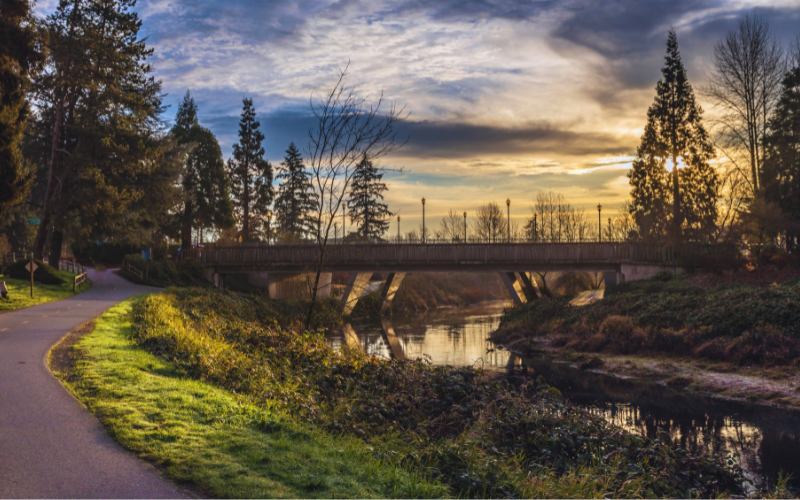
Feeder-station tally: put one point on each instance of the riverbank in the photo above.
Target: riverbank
(732, 341)
(474, 434)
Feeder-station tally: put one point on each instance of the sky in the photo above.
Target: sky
(506, 98)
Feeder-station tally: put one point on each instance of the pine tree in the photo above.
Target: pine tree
(205, 183)
(782, 158)
(18, 57)
(296, 199)
(104, 109)
(674, 133)
(366, 210)
(250, 174)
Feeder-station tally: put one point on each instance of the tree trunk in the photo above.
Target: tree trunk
(56, 242)
(246, 211)
(677, 214)
(41, 234)
(186, 227)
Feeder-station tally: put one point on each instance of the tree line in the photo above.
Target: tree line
(85, 152)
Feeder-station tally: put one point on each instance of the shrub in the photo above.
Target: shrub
(44, 274)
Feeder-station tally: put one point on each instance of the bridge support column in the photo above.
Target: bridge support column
(513, 287)
(352, 292)
(529, 286)
(219, 281)
(292, 285)
(610, 278)
(350, 337)
(390, 289)
(395, 347)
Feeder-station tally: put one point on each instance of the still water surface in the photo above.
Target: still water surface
(765, 441)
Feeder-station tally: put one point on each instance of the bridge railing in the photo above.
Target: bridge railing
(431, 254)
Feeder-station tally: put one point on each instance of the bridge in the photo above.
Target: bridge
(287, 269)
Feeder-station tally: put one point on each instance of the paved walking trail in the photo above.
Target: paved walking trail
(50, 445)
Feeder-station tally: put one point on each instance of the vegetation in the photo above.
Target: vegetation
(19, 291)
(666, 316)
(205, 184)
(685, 205)
(296, 198)
(166, 272)
(366, 207)
(44, 274)
(478, 436)
(219, 442)
(251, 176)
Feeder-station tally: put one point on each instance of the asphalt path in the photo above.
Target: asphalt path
(50, 445)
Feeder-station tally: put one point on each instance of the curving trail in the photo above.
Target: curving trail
(50, 445)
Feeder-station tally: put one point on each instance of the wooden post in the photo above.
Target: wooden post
(32, 269)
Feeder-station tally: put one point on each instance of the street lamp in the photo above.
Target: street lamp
(599, 223)
(423, 220)
(465, 227)
(535, 230)
(508, 219)
(335, 231)
(609, 228)
(398, 229)
(344, 221)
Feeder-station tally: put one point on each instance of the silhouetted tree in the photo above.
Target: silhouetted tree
(204, 182)
(366, 209)
(452, 227)
(489, 223)
(251, 174)
(782, 156)
(19, 56)
(296, 200)
(674, 131)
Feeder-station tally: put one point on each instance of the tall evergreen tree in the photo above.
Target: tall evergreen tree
(250, 174)
(674, 133)
(104, 110)
(205, 183)
(296, 199)
(366, 209)
(18, 57)
(782, 162)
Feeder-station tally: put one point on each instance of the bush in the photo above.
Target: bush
(44, 274)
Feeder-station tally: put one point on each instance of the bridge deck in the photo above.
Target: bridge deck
(433, 257)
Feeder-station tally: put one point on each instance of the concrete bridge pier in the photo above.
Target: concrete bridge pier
(529, 286)
(514, 287)
(352, 292)
(219, 281)
(395, 347)
(390, 289)
(610, 278)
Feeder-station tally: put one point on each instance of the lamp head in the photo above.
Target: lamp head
(508, 202)
(398, 218)
(423, 201)
(240, 238)
(344, 205)
(599, 207)
(465, 215)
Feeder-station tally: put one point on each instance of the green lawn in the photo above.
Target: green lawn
(19, 291)
(213, 440)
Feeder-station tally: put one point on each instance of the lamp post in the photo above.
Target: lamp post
(535, 229)
(609, 228)
(344, 221)
(465, 227)
(335, 231)
(508, 219)
(423, 220)
(398, 229)
(599, 223)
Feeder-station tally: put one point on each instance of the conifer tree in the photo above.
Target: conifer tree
(296, 198)
(103, 108)
(205, 183)
(18, 57)
(250, 174)
(782, 162)
(366, 209)
(680, 203)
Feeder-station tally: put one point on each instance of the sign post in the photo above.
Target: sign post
(31, 267)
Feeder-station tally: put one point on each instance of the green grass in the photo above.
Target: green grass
(214, 440)
(19, 291)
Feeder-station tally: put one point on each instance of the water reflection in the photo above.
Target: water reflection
(765, 441)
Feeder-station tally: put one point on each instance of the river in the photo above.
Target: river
(765, 441)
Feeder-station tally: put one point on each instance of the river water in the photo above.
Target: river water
(764, 440)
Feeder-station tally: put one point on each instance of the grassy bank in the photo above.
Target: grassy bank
(19, 292)
(731, 323)
(477, 436)
(218, 442)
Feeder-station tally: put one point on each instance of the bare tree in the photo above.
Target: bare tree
(348, 131)
(489, 223)
(744, 84)
(452, 227)
(556, 220)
